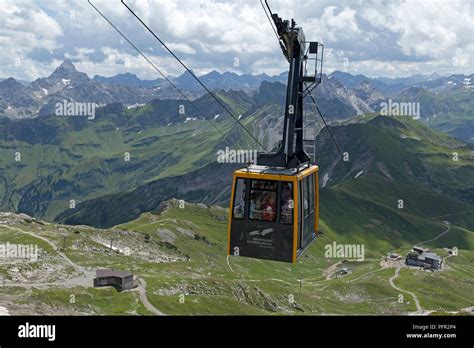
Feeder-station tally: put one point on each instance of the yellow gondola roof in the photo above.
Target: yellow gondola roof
(256, 169)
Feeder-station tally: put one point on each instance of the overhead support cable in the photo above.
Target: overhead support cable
(333, 139)
(161, 73)
(195, 77)
(269, 17)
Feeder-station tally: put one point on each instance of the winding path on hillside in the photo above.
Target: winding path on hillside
(144, 298)
(84, 280)
(331, 270)
(55, 248)
(366, 274)
(419, 309)
(228, 263)
(446, 223)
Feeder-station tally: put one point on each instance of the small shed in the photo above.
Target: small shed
(110, 277)
(344, 270)
(395, 256)
(420, 250)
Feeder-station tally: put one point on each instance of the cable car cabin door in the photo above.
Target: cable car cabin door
(262, 217)
(308, 213)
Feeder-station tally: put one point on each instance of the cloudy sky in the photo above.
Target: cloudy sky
(375, 38)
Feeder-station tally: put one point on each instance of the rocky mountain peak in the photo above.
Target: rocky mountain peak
(14, 94)
(64, 76)
(11, 83)
(65, 70)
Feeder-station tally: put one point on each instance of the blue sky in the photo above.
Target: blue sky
(375, 38)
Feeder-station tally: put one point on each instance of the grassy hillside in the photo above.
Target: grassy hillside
(48, 161)
(395, 159)
(449, 111)
(181, 254)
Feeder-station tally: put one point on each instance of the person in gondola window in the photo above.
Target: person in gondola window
(269, 209)
(286, 216)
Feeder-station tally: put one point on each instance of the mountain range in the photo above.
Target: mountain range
(213, 80)
(445, 101)
(67, 84)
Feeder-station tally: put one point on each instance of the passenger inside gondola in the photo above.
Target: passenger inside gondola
(263, 200)
(286, 216)
(269, 209)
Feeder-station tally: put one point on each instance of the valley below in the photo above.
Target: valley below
(180, 264)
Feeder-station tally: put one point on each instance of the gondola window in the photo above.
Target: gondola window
(263, 200)
(287, 204)
(239, 199)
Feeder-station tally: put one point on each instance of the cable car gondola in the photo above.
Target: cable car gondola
(274, 213)
(274, 208)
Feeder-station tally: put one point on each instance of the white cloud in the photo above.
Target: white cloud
(397, 37)
(81, 53)
(117, 61)
(336, 26)
(25, 28)
(434, 29)
(269, 66)
(181, 48)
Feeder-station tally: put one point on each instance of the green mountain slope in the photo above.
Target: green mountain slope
(448, 111)
(395, 159)
(48, 161)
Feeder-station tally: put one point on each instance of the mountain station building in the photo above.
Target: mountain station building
(110, 277)
(425, 258)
